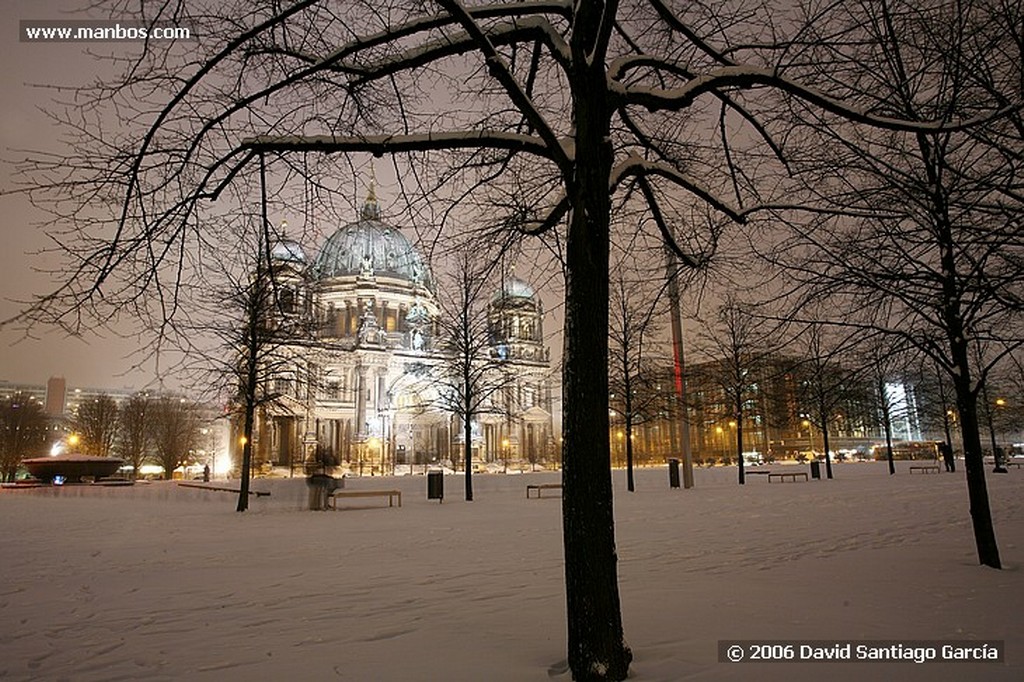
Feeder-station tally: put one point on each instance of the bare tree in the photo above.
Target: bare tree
(96, 423)
(935, 259)
(737, 346)
(828, 385)
(134, 431)
(635, 383)
(263, 324)
(473, 375)
(570, 103)
(23, 431)
(884, 366)
(174, 427)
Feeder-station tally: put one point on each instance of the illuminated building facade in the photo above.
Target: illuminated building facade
(358, 390)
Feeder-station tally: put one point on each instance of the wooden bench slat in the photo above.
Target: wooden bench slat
(539, 487)
(782, 476)
(390, 494)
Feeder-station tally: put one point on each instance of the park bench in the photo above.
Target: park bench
(791, 475)
(392, 495)
(925, 469)
(540, 487)
(758, 472)
(1012, 464)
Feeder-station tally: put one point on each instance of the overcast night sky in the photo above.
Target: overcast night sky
(32, 71)
(96, 362)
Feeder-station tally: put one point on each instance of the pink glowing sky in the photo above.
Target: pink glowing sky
(28, 69)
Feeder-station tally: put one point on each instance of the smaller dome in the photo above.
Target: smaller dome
(288, 251)
(513, 287)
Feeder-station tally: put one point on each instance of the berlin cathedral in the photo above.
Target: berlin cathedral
(359, 391)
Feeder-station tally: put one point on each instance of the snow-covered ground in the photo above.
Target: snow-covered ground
(158, 582)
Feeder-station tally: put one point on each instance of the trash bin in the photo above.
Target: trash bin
(673, 473)
(815, 469)
(435, 485)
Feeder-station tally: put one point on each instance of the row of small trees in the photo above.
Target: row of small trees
(24, 432)
(744, 367)
(163, 430)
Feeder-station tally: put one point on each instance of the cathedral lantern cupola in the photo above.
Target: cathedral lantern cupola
(516, 322)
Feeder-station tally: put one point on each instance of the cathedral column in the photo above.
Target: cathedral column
(360, 425)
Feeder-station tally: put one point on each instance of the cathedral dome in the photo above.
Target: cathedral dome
(513, 288)
(370, 247)
(288, 251)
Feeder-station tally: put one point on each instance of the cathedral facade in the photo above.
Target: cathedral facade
(358, 390)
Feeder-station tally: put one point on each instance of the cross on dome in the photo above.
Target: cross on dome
(371, 207)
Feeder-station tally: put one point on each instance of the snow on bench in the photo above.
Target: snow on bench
(541, 487)
(791, 475)
(332, 498)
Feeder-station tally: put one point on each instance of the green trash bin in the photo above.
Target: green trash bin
(435, 485)
(673, 473)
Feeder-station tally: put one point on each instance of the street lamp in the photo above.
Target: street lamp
(810, 436)
(210, 455)
(996, 455)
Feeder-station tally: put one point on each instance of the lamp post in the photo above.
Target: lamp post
(996, 455)
(384, 440)
(810, 436)
(679, 367)
(732, 439)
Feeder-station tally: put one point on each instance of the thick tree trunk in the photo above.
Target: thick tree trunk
(597, 650)
(467, 433)
(977, 488)
(243, 494)
(630, 484)
(739, 449)
(888, 444)
(824, 444)
(886, 424)
(956, 334)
